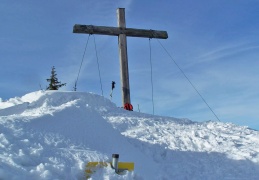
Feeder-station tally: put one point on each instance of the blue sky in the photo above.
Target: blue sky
(215, 43)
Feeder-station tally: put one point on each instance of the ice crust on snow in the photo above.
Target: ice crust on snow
(52, 135)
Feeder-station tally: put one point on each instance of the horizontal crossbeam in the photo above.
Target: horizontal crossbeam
(116, 31)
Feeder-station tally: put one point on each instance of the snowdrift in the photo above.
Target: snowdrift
(52, 135)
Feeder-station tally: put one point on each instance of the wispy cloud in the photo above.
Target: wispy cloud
(227, 51)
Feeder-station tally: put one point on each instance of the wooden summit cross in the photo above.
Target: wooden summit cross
(122, 32)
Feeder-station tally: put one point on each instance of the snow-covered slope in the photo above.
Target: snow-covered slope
(52, 135)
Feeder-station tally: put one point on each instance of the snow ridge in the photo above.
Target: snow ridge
(52, 135)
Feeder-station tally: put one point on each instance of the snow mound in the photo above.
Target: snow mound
(52, 135)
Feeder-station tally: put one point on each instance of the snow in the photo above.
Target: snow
(53, 134)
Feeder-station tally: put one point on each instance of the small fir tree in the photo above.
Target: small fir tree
(54, 84)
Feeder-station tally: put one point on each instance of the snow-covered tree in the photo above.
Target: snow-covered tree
(54, 84)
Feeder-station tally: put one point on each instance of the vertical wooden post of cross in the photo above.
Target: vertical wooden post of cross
(124, 70)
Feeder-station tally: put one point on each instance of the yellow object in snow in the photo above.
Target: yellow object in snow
(91, 167)
(129, 166)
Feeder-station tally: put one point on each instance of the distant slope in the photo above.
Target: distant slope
(52, 135)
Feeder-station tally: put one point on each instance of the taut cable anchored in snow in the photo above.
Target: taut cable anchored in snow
(81, 63)
(151, 71)
(188, 80)
(98, 66)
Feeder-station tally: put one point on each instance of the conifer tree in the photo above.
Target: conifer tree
(54, 84)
